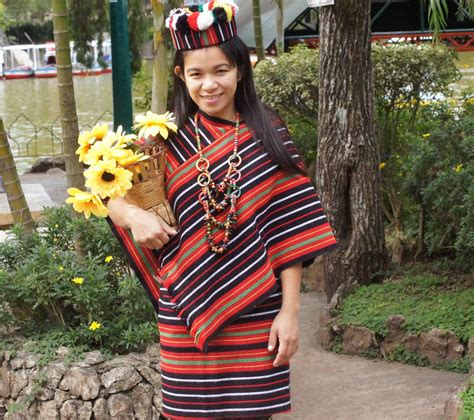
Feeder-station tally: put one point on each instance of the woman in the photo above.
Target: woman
(249, 220)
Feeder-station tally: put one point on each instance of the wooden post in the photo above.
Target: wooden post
(16, 199)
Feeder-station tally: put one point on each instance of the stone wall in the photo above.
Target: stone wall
(436, 346)
(125, 387)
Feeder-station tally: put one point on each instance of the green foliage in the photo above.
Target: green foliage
(140, 29)
(426, 301)
(38, 32)
(23, 11)
(467, 398)
(54, 298)
(88, 20)
(400, 354)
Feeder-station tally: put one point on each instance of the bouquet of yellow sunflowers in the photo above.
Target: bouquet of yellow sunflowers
(117, 167)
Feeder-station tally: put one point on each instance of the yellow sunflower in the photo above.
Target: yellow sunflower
(152, 124)
(112, 147)
(100, 131)
(106, 179)
(87, 203)
(85, 140)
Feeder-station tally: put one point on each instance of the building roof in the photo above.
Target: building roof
(268, 11)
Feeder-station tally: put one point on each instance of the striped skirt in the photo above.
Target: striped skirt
(234, 379)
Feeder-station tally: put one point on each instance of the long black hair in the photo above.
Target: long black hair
(258, 116)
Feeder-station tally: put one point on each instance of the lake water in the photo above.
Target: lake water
(37, 99)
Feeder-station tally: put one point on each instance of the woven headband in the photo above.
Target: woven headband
(203, 25)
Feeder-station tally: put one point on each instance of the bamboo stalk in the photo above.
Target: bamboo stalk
(257, 25)
(16, 199)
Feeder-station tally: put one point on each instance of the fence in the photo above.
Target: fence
(28, 139)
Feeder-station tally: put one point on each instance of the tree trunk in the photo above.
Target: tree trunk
(67, 102)
(257, 26)
(16, 199)
(159, 91)
(280, 27)
(347, 172)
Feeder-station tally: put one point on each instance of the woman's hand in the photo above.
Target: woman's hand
(285, 330)
(148, 230)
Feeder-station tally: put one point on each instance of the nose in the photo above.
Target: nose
(209, 84)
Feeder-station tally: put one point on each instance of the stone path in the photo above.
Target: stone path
(330, 386)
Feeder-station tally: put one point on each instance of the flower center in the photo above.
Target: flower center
(108, 177)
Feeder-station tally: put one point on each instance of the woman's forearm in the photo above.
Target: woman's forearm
(291, 283)
(120, 211)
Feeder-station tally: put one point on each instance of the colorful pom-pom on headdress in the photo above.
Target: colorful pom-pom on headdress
(203, 25)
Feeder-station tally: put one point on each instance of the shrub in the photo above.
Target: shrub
(50, 294)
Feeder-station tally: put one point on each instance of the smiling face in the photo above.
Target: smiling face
(211, 81)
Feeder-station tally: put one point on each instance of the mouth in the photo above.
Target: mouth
(211, 97)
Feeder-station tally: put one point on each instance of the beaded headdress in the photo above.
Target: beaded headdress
(203, 25)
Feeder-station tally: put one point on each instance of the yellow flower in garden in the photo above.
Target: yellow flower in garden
(87, 203)
(465, 66)
(152, 124)
(426, 135)
(95, 325)
(100, 131)
(458, 168)
(382, 165)
(469, 101)
(78, 280)
(106, 179)
(61, 268)
(108, 259)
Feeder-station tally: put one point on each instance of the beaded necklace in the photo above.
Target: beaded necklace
(219, 196)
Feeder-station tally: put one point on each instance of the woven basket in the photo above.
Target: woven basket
(148, 191)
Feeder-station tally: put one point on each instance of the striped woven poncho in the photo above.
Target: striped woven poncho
(280, 223)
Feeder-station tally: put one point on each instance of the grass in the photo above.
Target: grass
(425, 300)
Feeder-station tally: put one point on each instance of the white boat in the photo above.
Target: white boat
(21, 61)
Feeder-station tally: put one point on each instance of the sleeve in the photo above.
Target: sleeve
(295, 227)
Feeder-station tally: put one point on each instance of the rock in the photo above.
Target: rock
(84, 383)
(56, 171)
(326, 332)
(100, 409)
(154, 350)
(434, 345)
(412, 343)
(63, 352)
(18, 381)
(43, 164)
(470, 348)
(155, 414)
(120, 379)
(142, 396)
(153, 377)
(31, 360)
(54, 372)
(395, 334)
(76, 410)
(94, 358)
(48, 410)
(120, 405)
(452, 408)
(45, 394)
(117, 362)
(17, 363)
(357, 340)
(455, 349)
(158, 402)
(5, 380)
(61, 396)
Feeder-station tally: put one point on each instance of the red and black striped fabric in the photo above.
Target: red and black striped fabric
(215, 311)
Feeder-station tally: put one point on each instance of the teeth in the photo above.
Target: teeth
(211, 97)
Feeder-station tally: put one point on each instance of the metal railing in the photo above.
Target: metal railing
(28, 139)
